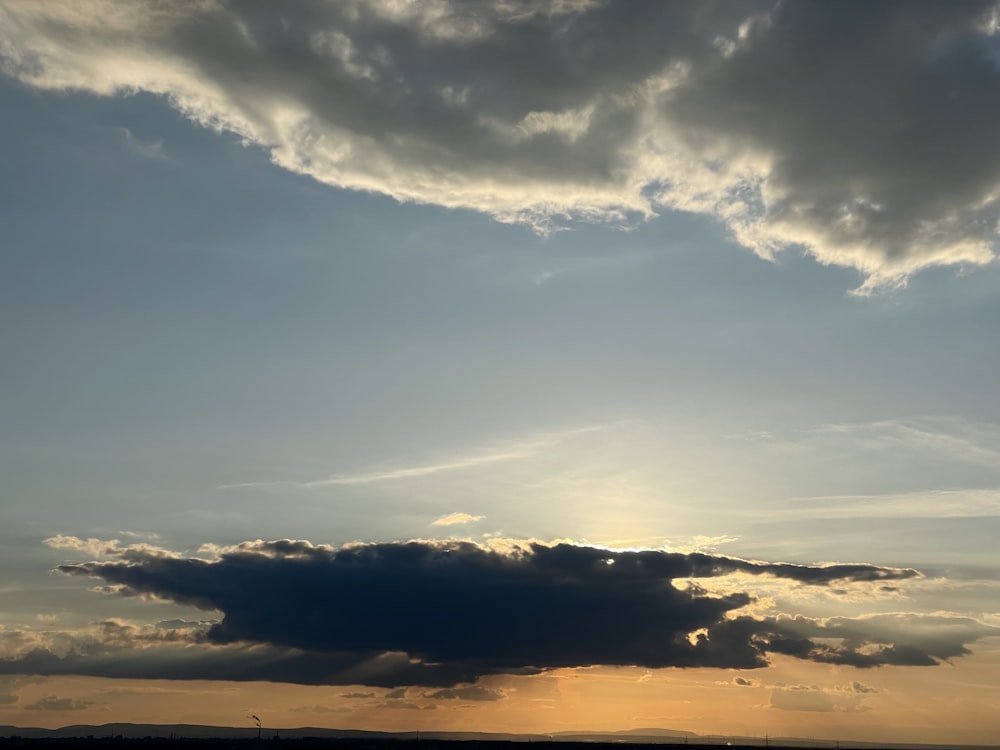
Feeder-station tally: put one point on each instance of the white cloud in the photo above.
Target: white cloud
(877, 155)
(99, 548)
(145, 149)
(456, 519)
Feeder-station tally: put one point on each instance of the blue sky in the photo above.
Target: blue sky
(209, 339)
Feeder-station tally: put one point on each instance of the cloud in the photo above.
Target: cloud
(53, 703)
(468, 693)
(455, 519)
(144, 149)
(841, 698)
(967, 503)
(901, 639)
(407, 705)
(860, 687)
(320, 709)
(861, 132)
(10, 687)
(801, 698)
(510, 452)
(443, 614)
(106, 548)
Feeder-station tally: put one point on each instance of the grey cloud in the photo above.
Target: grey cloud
(241, 663)
(53, 703)
(468, 693)
(893, 639)
(442, 614)
(407, 705)
(844, 698)
(860, 131)
(10, 687)
(458, 603)
(801, 698)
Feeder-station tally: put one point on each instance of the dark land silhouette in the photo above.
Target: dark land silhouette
(187, 736)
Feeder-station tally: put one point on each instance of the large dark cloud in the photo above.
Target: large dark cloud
(863, 131)
(446, 613)
(538, 606)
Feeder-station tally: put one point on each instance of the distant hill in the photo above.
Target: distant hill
(367, 739)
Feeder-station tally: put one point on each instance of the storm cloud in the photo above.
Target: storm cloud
(862, 132)
(457, 602)
(446, 613)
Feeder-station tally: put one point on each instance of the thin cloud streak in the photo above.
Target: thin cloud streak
(952, 503)
(522, 450)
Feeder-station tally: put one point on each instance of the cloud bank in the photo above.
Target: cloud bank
(861, 132)
(445, 613)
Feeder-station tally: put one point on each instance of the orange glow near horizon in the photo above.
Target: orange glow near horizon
(791, 698)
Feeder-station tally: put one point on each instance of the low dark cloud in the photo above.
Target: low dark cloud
(861, 131)
(458, 603)
(443, 614)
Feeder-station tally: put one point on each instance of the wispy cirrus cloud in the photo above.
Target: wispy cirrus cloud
(510, 451)
(954, 503)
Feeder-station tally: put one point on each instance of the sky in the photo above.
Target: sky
(501, 366)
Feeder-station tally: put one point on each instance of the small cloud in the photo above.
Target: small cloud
(145, 149)
(321, 710)
(545, 276)
(744, 682)
(357, 695)
(801, 698)
(456, 519)
(53, 703)
(843, 698)
(407, 705)
(860, 687)
(469, 693)
(148, 535)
